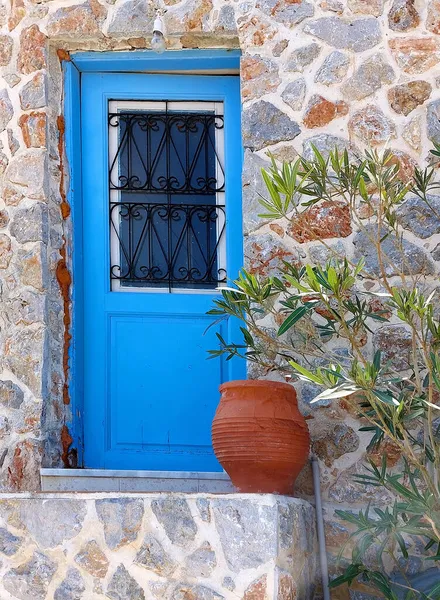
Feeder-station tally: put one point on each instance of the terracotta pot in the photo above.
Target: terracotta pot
(259, 436)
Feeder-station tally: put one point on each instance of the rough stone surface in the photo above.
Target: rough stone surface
(302, 57)
(121, 519)
(333, 69)
(84, 20)
(371, 126)
(66, 518)
(71, 588)
(123, 586)
(131, 19)
(201, 562)
(30, 224)
(153, 557)
(258, 76)
(357, 35)
(9, 543)
(325, 220)
(407, 97)
(182, 592)
(175, 517)
(32, 54)
(433, 17)
(335, 443)
(6, 44)
(368, 78)
(265, 254)
(433, 123)
(11, 396)
(93, 559)
(325, 143)
(420, 217)
(320, 111)
(265, 124)
(295, 93)
(415, 55)
(289, 13)
(6, 110)
(256, 590)
(366, 7)
(394, 342)
(30, 581)
(33, 128)
(240, 525)
(412, 133)
(413, 260)
(403, 15)
(33, 94)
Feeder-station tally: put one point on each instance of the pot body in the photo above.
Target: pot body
(259, 436)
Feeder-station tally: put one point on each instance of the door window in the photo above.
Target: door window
(167, 196)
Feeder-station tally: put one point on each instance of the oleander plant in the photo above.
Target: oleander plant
(297, 321)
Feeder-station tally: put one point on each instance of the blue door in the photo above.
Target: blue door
(162, 232)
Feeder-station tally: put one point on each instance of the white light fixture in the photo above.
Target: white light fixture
(158, 43)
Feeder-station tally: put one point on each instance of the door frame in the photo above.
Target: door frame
(212, 62)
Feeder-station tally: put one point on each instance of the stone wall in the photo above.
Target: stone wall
(169, 547)
(330, 72)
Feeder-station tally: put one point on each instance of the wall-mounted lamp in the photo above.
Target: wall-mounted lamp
(158, 43)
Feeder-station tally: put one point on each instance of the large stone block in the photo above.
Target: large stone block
(81, 21)
(27, 173)
(175, 517)
(30, 581)
(370, 76)
(264, 124)
(131, 19)
(241, 525)
(357, 35)
(121, 519)
(65, 516)
(287, 12)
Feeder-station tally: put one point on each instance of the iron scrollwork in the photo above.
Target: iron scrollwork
(165, 178)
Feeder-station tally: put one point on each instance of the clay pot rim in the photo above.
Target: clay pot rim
(238, 383)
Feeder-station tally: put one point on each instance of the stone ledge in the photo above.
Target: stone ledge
(101, 480)
(164, 546)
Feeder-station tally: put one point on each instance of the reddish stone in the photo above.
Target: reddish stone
(4, 218)
(194, 20)
(81, 20)
(408, 96)
(388, 449)
(403, 15)
(433, 19)
(366, 7)
(5, 251)
(277, 229)
(415, 55)
(32, 53)
(259, 76)
(18, 12)
(407, 165)
(266, 260)
(11, 196)
(327, 220)
(33, 128)
(321, 111)
(257, 590)
(5, 50)
(371, 125)
(24, 469)
(286, 587)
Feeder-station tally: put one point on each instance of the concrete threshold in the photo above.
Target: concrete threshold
(102, 480)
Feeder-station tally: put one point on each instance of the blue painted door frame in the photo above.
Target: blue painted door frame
(158, 419)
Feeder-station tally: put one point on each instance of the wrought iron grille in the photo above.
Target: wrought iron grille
(166, 179)
(168, 244)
